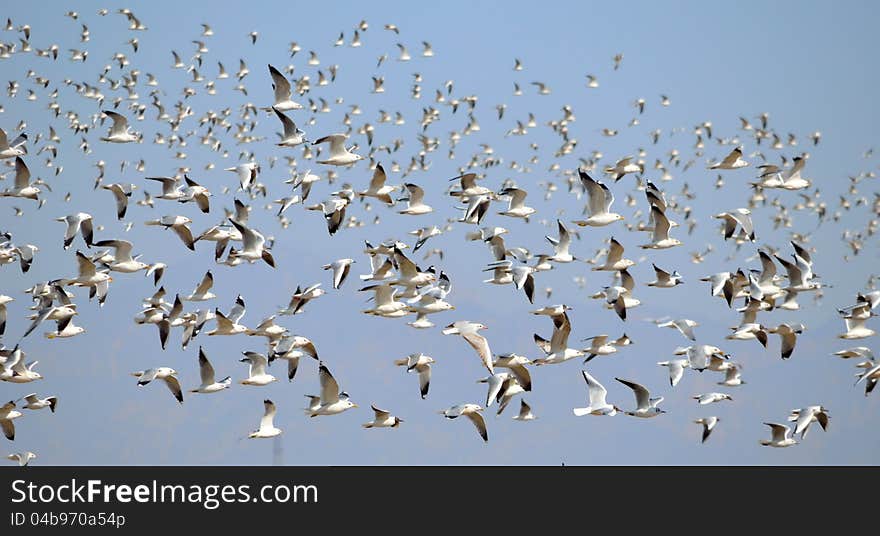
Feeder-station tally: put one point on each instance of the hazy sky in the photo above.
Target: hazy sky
(809, 65)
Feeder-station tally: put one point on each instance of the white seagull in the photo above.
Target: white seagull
(339, 154)
(472, 412)
(120, 132)
(383, 419)
(257, 374)
(598, 405)
(780, 436)
(709, 424)
(166, 374)
(267, 426)
(599, 204)
(331, 401)
(420, 363)
(206, 372)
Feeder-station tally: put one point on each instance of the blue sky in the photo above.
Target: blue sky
(806, 64)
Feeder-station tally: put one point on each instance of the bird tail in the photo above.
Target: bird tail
(579, 412)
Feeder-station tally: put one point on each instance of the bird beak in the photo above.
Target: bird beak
(355, 405)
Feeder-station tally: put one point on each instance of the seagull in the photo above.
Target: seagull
(254, 245)
(597, 406)
(339, 155)
(421, 321)
(8, 413)
(23, 458)
(171, 189)
(741, 217)
(709, 398)
(684, 326)
(166, 374)
(503, 386)
(733, 160)
(422, 235)
(599, 346)
(624, 166)
(203, 291)
(521, 276)
(121, 193)
(732, 375)
(12, 150)
(525, 412)
(89, 276)
(157, 270)
(34, 402)
(269, 329)
(378, 189)
(385, 303)
(76, 223)
(561, 245)
(660, 235)
(646, 407)
(22, 187)
(614, 260)
(292, 135)
(267, 426)
(206, 372)
(556, 348)
(469, 331)
(291, 348)
(665, 279)
(228, 325)
(791, 179)
(517, 207)
(700, 357)
(676, 369)
(247, 174)
(331, 401)
(709, 424)
(469, 187)
(599, 204)
(281, 86)
(383, 419)
(517, 365)
(804, 417)
(64, 329)
(4, 299)
(472, 412)
(178, 224)
(781, 436)
(415, 202)
(858, 351)
(257, 374)
(788, 334)
(340, 269)
(856, 329)
(63, 313)
(122, 260)
(197, 193)
(870, 376)
(301, 297)
(120, 132)
(420, 363)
